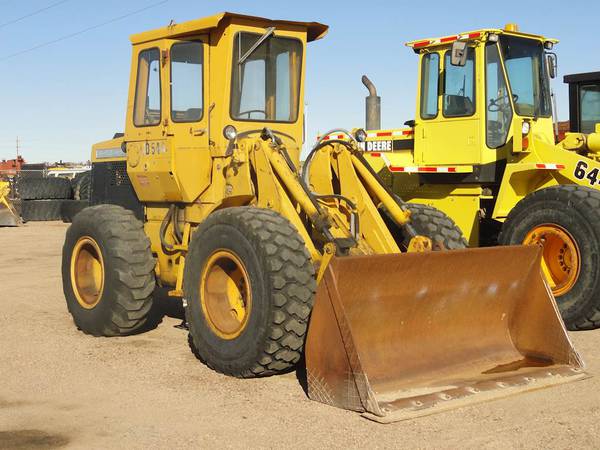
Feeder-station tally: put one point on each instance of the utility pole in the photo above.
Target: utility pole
(17, 147)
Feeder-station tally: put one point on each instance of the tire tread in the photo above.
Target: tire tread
(134, 280)
(436, 225)
(290, 269)
(585, 201)
(45, 188)
(41, 210)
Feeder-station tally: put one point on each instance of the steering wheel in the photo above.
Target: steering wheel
(494, 105)
(250, 111)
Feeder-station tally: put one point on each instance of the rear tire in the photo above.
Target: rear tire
(278, 300)
(576, 211)
(436, 225)
(108, 271)
(44, 188)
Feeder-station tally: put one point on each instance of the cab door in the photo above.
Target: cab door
(187, 115)
(449, 125)
(148, 155)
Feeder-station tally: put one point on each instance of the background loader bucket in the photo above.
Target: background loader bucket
(8, 217)
(406, 335)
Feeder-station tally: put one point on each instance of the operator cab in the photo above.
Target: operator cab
(194, 87)
(463, 120)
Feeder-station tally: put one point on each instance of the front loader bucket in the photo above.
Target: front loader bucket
(407, 335)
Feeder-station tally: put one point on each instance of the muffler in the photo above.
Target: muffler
(372, 106)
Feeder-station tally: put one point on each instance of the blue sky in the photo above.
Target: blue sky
(62, 98)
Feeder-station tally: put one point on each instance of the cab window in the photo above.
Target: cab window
(186, 82)
(459, 86)
(589, 107)
(266, 78)
(526, 70)
(147, 105)
(430, 72)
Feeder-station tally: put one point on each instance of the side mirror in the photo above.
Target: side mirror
(459, 54)
(552, 64)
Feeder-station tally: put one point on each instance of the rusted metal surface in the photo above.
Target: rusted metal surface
(401, 336)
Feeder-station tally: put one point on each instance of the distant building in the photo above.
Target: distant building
(11, 166)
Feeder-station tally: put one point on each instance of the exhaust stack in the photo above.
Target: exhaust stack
(373, 106)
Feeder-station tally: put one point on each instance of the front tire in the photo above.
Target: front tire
(249, 285)
(436, 225)
(108, 271)
(565, 221)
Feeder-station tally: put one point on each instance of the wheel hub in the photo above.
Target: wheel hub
(561, 261)
(87, 272)
(225, 294)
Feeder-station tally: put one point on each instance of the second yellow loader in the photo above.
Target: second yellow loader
(481, 147)
(203, 194)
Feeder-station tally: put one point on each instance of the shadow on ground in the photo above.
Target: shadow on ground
(164, 306)
(31, 439)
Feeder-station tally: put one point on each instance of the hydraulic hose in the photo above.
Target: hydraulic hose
(322, 143)
(176, 229)
(171, 216)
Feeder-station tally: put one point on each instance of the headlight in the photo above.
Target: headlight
(229, 132)
(493, 37)
(548, 45)
(525, 129)
(360, 135)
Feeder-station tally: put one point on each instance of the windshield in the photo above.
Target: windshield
(266, 85)
(589, 107)
(524, 62)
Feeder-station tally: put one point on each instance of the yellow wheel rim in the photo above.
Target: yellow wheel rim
(561, 261)
(225, 294)
(87, 272)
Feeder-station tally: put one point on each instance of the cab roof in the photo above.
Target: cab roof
(473, 35)
(314, 30)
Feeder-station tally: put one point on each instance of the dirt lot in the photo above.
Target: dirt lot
(59, 387)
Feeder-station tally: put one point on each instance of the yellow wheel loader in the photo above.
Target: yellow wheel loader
(482, 149)
(8, 215)
(203, 194)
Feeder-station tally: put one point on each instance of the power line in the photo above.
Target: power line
(18, 19)
(85, 30)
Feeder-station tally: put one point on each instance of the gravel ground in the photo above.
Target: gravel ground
(61, 388)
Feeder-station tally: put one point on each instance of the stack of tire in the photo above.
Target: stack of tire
(41, 198)
(45, 199)
(81, 185)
